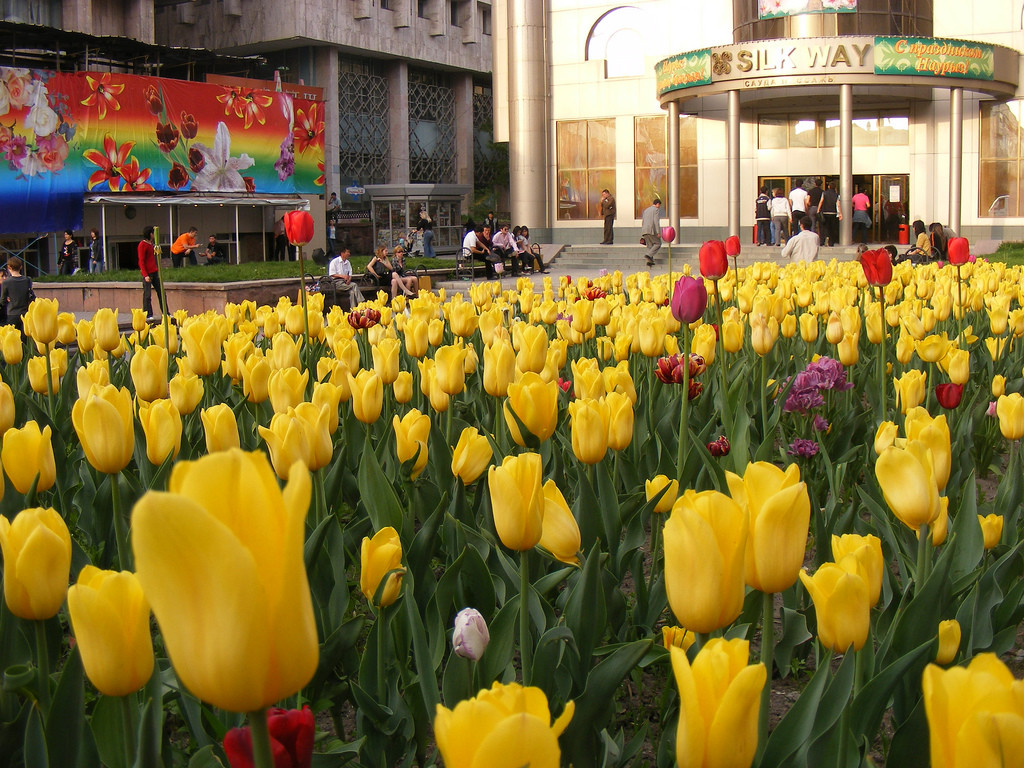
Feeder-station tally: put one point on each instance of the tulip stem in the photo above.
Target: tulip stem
(305, 306)
(381, 649)
(726, 416)
(525, 650)
(120, 526)
(764, 398)
(448, 416)
(262, 754)
(655, 546)
(43, 660)
(881, 358)
(129, 729)
(684, 433)
(767, 657)
(49, 384)
(924, 540)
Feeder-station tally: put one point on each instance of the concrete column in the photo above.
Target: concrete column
(398, 117)
(673, 167)
(138, 21)
(846, 164)
(956, 155)
(326, 62)
(734, 162)
(463, 86)
(528, 112)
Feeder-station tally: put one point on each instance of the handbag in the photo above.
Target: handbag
(425, 283)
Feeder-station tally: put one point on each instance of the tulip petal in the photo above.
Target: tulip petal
(732, 737)
(518, 740)
(690, 733)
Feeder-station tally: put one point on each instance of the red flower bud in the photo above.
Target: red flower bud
(959, 250)
(291, 740)
(949, 395)
(167, 136)
(298, 225)
(877, 267)
(713, 261)
(719, 447)
(732, 245)
(178, 176)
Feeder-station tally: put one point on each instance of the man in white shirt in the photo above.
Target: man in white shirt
(506, 247)
(340, 269)
(477, 250)
(803, 246)
(798, 202)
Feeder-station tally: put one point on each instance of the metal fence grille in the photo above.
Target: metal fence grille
(364, 138)
(431, 129)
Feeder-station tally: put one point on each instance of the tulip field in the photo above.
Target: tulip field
(598, 523)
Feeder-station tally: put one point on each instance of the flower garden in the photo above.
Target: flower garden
(596, 524)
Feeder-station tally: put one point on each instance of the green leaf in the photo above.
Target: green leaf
(909, 746)
(376, 494)
(870, 704)
(205, 758)
(421, 653)
(796, 726)
(35, 742)
(66, 718)
(498, 655)
(151, 724)
(794, 634)
(586, 613)
(338, 756)
(457, 683)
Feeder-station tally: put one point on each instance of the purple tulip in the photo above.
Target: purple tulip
(689, 299)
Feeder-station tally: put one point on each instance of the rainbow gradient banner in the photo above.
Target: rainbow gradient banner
(63, 135)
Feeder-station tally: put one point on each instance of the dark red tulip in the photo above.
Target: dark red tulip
(714, 262)
(877, 267)
(719, 447)
(298, 225)
(178, 176)
(196, 160)
(152, 98)
(689, 299)
(291, 740)
(732, 245)
(949, 395)
(958, 250)
(189, 125)
(167, 136)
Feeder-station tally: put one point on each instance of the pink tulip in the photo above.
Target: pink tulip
(668, 234)
(689, 299)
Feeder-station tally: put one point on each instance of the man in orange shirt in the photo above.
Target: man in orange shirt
(185, 245)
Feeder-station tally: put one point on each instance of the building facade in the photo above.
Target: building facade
(915, 103)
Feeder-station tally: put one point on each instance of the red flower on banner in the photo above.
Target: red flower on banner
(251, 106)
(104, 94)
(250, 184)
(231, 98)
(167, 136)
(320, 180)
(111, 162)
(189, 125)
(309, 128)
(153, 100)
(134, 178)
(196, 160)
(178, 177)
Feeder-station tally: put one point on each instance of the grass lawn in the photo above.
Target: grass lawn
(227, 273)
(1009, 252)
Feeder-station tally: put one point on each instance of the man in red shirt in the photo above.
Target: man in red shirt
(150, 276)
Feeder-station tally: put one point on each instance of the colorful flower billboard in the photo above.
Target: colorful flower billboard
(771, 9)
(63, 135)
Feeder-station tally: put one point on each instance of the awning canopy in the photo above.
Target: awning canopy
(271, 201)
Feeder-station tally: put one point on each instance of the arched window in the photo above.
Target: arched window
(616, 38)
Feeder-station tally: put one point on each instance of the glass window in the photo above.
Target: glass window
(803, 133)
(865, 131)
(586, 165)
(894, 131)
(456, 16)
(650, 163)
(830, 132)
(999, 172)
(771, 133)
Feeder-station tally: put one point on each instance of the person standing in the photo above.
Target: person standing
(184, 246)
(650, 230)
(802, 246)
(608, 213)
(490, 222)
(428, 241)
(828, 211)
(67, 262)
(16, 293)
(813, 204)
(780, 211)
(340, 269)
(150, 276)
(798, 206)
(763, 217)
(861, 215)
(95, 246)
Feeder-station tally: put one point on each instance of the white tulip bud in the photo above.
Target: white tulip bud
(471, 636)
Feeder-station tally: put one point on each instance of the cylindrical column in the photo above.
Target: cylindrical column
(528, 112)
(956, 155)
(734, 162)
(673, 167)
(846, 164)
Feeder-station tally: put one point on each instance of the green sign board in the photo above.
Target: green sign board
(933, 57)
(683, 71)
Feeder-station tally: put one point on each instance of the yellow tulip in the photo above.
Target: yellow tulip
(84, 336)
(94, 372)
(104, 421)
(908, 484)
(933, 348)
(677, 636)
(991, 529)
(416, 337)
(499, 368)
(934, 434)
(186, 390)
(463, 319)
(367, 395)
(732, 336)
(13, 347)
(220, 428)
(958, 366)
(385, 359)
(288, 441)
(996, 347)
(202, 339)
(110, 621)
(998, 385)
(411, 434)
(472, 455)
(27, 457)
(848, 350)
(161, 424)
(779, 513)
(910, 389)
(651, 331)
(37, 373)
(517, 500)
(287, 388)
(841, 603)
(284, 352)
(885, 436)
(435, 332)
(719, 703)
(402, 388)
(975, 715)
(506, 725)
(904, 347)
(834, 329)
(329, 395)
(808, 327)
(105, 330)
(588, 381)
(949, 641)
(139, 323)
(37, 560)
(1010, 411)
(41, 321)
(227, 538)
(531, 343)
(449, 369)
(6, 407)
(381, 557)
(788, 327)
(533, 402)
(589, 422)
(705, 540)
(867, 552)
(655, 485)
(256, 378)
(764, 332)
(560, 533)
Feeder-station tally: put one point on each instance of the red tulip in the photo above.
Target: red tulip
(719, 447)
(668, 234)
(877, 267)
(959, 250)
(732, 245)
(949, 395)
(291, 740)
(689, 299)
(298, 225)
(713, 261)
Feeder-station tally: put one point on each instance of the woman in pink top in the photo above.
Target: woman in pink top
(861, 217)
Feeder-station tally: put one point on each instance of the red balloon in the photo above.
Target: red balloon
(298, 226)
(959, 250)
(732, 245)
(714, 262)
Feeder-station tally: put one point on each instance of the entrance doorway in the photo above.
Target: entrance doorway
(889, 195)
